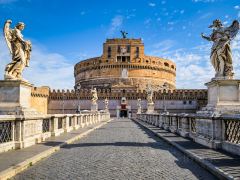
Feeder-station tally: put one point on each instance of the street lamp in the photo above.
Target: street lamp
(77, 90)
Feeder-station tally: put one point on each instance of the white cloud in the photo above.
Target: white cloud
(46, 69)
(7, 1)
(182, 11)
(152, 4)
(147, 21)
(83, 13)
(170, 23)
(225, 22)
(237, 7)
(194, 68)
(163, 46)
(206, 16)
(204, 1)
(116, 23)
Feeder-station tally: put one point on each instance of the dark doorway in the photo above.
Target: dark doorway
(123, 113)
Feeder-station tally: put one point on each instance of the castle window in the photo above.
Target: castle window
(166, 64)
(119, 49)
(184, 102)
(123, 58)
(99, 61)
(146, 61)
(172, 66)
(109, 52)
(153, 62)
(137, 52)
(128, 58)
(128, 49)
(190, 102)
(119, 58)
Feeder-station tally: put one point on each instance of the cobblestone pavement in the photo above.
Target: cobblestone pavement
(119, 150)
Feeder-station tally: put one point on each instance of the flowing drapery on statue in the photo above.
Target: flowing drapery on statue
(19, 49)
(221, 55)
(94, 96)
(149, 94)
(106, 102)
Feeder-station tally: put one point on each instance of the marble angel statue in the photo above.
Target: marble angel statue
(149, 94)
(221, 55)
(139, 103)
(19, 49)
(94, 96)
(106, 103)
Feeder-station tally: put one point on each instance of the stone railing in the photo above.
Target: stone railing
(221, 132)
(18, 132)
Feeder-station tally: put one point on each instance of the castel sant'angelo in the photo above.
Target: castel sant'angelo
(121, 75)
(124, 64)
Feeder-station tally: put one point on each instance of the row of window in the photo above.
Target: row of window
(127, 59)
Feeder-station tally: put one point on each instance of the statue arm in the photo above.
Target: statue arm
(206, 37)
(19, 37)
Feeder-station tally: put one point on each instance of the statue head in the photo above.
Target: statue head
(216, 24)
(20, 25)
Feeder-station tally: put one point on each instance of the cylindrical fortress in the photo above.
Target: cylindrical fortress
(124, 64)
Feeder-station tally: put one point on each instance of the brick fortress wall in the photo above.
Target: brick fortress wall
(181, 100)
(39, 98)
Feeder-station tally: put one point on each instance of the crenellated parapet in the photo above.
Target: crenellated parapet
(177, 94)
(40, 91)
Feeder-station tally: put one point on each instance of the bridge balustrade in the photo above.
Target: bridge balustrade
(224, 130)
(18, 132)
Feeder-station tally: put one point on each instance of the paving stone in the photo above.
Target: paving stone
(119, 150)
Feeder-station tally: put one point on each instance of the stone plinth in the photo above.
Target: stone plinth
(15, 98)
(150, 108)
(223, 96)
(94, 107)
(139, 110)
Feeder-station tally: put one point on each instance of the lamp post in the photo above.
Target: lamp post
(77, 90)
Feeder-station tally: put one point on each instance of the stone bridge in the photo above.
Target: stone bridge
(117, 148)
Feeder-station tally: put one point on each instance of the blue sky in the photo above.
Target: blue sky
(65, 32)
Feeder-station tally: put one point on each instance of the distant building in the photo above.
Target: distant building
(123, 62)
(121, 75)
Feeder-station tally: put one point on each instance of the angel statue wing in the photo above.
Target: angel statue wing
(7, 31)
(233, 29)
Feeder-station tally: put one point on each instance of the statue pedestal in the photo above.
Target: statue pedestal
(94, 107)
(15, 98)
(150, 108)
(139, 110)
(223, 96)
